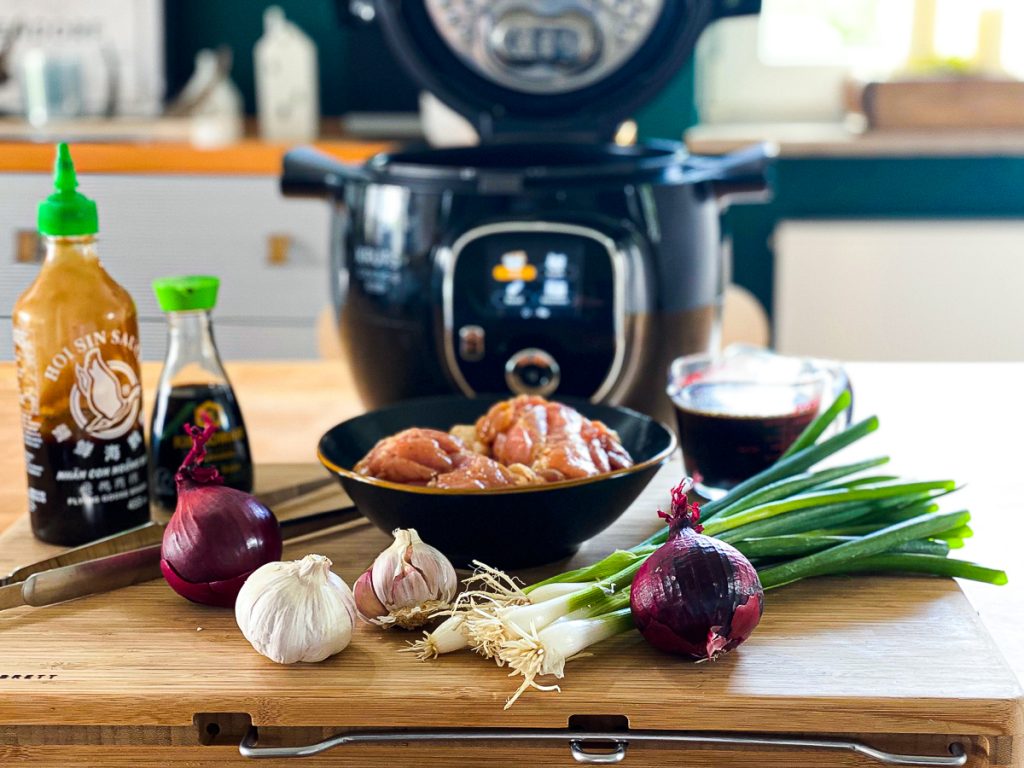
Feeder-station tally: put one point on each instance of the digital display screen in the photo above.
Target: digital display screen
(536, 282)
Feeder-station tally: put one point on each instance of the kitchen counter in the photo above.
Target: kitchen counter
(819, 140)
(828, 173)
(961, 421)
(247, 157)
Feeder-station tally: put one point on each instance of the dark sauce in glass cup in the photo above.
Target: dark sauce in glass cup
(739, 413)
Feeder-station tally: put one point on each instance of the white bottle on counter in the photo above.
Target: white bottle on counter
(286, 80)
(214, 103)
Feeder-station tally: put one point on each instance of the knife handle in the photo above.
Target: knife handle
(88, 578)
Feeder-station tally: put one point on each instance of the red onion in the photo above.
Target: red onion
(695, 596)
(217, 535)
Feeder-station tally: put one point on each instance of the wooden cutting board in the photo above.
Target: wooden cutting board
(930, 104)
(140, 676)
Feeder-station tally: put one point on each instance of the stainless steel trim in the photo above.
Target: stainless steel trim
(637, 308)
(448, 258)
(337, 254)
(249, 746)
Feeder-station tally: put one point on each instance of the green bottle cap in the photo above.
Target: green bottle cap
(188, 292)
(66, 213)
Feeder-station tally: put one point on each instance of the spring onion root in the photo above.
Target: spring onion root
(533, 653)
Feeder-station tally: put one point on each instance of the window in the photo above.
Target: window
(875, 37)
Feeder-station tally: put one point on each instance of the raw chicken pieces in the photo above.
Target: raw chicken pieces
(523, 441)
(415, 456)
(475, 471)
(552, 439)
(431, 457)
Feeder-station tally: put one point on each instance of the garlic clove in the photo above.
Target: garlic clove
(409, 587)
(436, 571)
(370, 608)
(409, 581)
(388, 566)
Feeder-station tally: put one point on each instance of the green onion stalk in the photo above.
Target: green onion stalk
(793, 521)
(543, 650)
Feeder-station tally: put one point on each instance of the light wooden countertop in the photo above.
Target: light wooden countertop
(961, 421)
(798, 140)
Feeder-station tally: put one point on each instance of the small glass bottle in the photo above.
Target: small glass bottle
(76, 343)
(193, 387)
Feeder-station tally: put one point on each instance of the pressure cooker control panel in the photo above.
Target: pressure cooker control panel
(544, 46)
(534, 308)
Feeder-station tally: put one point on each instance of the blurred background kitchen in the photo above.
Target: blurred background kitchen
(894, 230)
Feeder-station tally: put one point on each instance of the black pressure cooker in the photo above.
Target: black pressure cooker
(548, 259)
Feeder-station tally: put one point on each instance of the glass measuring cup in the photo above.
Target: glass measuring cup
(738, 412)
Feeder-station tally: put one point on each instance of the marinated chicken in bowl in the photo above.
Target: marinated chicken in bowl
(526, 440)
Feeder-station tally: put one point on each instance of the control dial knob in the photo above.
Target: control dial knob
(532, 371)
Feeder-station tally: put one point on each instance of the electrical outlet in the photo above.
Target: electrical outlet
(27, 247)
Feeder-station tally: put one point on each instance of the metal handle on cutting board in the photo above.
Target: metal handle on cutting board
(580, 755)
(249, 746)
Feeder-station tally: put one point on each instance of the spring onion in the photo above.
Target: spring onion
(817, 427)
(922, 563)
(792, 520)
(872, 544)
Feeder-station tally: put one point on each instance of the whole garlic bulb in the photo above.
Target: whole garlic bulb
(407, 583)
(296, 611)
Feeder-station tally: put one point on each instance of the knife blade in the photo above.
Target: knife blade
(148, 533)
(289, 492)
(123, 569)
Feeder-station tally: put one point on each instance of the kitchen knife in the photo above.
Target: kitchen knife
(281, 495)
(100, 575)
(125, 541)
(150, 533)
(123, 569)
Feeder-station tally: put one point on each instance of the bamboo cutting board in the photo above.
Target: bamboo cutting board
(142, 677)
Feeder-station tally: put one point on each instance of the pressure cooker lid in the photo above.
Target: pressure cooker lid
(511, 167)
(533, 66)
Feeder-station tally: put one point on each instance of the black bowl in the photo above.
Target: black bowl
(506, 528)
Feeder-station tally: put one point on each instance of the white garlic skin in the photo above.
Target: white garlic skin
(407, 582)
(296, 611)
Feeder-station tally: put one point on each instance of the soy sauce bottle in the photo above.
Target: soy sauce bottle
(193, 387)
(76, 345)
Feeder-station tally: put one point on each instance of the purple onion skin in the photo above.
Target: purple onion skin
(221, 594)
(695, 596)
(217, 535)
